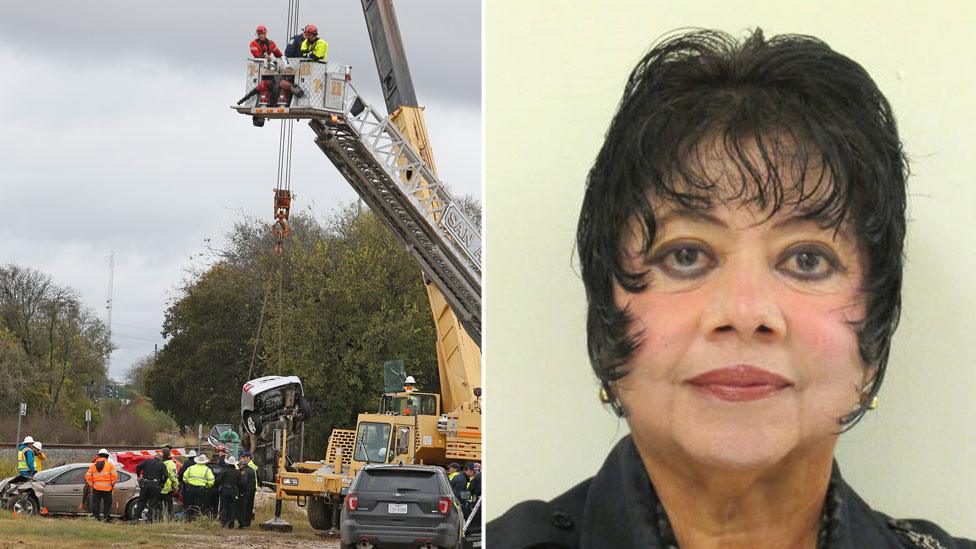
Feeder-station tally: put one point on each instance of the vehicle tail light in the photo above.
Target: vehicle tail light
(247, 387)
(352, 501)
(444, 505)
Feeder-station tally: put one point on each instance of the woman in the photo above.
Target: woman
(741, 245)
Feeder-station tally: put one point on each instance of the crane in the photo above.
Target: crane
(388, 160)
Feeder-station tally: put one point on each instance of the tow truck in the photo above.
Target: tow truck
(389, 162)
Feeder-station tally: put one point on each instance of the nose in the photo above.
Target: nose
(744, 303)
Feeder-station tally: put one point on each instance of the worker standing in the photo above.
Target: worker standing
(39, 456)
(294, 48)
(314, 47)
(457, 479)
(25, 458)
(473, 489)
(262, 47)
(198, 479)
(229, 484)
(172, 481)
(153, 475)
(249, 485)
(101, 478)
(210, 507)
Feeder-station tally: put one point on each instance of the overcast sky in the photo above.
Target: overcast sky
(116, 135)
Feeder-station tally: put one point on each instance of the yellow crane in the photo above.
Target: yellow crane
(389, 162)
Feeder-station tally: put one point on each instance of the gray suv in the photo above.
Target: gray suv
(402, 506)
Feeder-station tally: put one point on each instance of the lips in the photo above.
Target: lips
(738, 383)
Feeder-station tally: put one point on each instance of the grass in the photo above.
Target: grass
(78, 532)
(8, 467)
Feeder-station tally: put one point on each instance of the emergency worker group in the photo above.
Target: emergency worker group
(278, 90)
(221, 486)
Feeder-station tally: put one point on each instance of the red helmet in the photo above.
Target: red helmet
(311, 29)
(261, 30)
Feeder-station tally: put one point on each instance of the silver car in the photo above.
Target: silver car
(265, 399)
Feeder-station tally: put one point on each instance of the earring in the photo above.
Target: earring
(606, 397)
(874, 403)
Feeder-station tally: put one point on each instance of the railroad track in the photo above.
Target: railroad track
(92, 447)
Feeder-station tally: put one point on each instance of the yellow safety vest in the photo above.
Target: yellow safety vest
(39, 458)
(22, 460)
(171, 478)
(257, 483)
(199, 475)
(320, 48)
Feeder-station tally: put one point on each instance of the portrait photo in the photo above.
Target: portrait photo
(730, 253)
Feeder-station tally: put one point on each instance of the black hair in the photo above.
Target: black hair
(827, 144)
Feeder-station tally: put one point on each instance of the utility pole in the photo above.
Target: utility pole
(110, 292)
(88, 427)
(21, 413)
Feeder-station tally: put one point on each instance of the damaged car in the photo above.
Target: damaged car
(265, 399)
(62, 491)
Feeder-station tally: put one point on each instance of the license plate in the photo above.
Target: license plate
(398, 508)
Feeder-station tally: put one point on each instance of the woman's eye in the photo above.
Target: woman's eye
(809, 264)
(684, 261)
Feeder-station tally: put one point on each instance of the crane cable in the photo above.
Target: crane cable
(282, 199)
(285, 140)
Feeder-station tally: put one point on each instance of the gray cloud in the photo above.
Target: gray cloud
(120, 138)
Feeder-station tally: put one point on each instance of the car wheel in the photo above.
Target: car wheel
(306, 409)
(130, 510)
(252, 424)
(27, 505)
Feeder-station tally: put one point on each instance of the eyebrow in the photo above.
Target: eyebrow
(702, 216)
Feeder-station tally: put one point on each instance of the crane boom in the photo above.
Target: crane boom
(458, 357)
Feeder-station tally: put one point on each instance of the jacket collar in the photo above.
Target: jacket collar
(623, 510)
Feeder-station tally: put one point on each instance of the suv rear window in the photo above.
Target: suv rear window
(389, 480)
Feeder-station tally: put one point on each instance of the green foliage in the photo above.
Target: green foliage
(350, 298)
(53, 350)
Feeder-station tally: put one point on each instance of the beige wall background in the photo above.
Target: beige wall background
(555, 71)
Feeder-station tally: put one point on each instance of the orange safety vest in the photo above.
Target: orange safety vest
(102, 480)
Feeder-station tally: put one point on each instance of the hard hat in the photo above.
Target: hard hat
(202, 458)
(28, 440)
(311, 29)
(261, 29)
(103, 452)
(409, 381)
(230, 461)
(38, 445)
(191, 453)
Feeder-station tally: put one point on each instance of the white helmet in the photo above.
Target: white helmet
(102, 452)
(409, 381)
(202, 458)
(38, 445)
(28, 440)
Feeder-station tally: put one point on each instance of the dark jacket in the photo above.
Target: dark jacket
(153, 469)
(459, 484)
(228, 481)
(294, 49)
(618, 508)
(248, 480)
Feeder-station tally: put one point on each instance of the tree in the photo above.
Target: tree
(63, 346)
(350, 298)
(135, 377)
